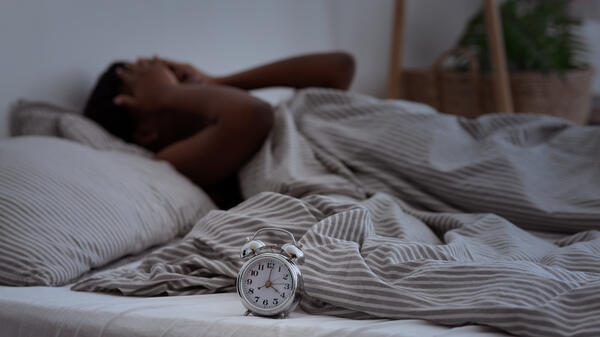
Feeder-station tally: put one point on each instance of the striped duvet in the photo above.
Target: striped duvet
(405, 213)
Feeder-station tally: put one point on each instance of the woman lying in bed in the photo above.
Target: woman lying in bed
(205, 126)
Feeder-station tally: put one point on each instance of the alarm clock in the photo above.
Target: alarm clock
(270, 282)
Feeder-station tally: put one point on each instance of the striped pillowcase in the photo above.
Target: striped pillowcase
(66, 208)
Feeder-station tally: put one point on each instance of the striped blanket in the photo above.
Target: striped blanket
(406, 213)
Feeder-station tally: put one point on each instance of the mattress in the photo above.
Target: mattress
(59, 311)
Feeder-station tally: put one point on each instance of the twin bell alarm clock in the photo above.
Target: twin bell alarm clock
(270, 282)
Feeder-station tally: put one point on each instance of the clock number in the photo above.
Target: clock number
(275, 301)
(282, 295)
(249, 281)
(266, 302)
(251, 290)
(256, 298)
(270, 265)
(279, 270)
(254, 273)
(287, 286)
(286, 277)
(261, 267)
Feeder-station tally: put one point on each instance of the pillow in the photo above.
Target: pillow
(85, 131)
(35, 118)
(44, 119)
(66, 208)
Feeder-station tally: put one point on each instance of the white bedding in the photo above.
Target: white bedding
(61, 312)
(410, 216)
(57, 312)
(43, 311)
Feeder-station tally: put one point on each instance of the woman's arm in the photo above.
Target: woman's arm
(239, 122)
(328, 70)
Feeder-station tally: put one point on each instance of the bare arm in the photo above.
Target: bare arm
(328, 70)
(241, 123)
(238, 122)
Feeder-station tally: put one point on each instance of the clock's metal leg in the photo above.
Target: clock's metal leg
(283, 315)
(247, 313)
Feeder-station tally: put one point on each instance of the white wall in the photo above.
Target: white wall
(590, 31)
(53, 50)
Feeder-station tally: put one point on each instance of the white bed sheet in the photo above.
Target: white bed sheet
(61, 312)
(57, 312)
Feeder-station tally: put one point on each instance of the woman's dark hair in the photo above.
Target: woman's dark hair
(101, 108)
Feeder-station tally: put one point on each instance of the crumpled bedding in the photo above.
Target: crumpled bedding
(406, 213)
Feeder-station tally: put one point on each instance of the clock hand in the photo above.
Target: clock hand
(274, 289)
(267, 284)
(271, 272)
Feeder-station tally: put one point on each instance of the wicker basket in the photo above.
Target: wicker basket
(470, 94)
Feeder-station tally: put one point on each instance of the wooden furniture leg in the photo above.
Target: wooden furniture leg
(502, 94)
(394, 87)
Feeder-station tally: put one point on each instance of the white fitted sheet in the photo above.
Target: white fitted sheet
(61, 312)
(57, 312)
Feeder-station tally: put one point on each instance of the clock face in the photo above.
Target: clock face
(267, 283)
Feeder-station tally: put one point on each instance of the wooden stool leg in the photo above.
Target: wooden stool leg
(502, 94)
(394, 88)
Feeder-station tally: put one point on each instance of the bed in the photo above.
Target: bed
(434, 225)
(58, 311)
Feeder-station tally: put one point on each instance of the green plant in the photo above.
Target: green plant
(539, 35)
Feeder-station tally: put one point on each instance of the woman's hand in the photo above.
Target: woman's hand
(187, 73)
(147, 83)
